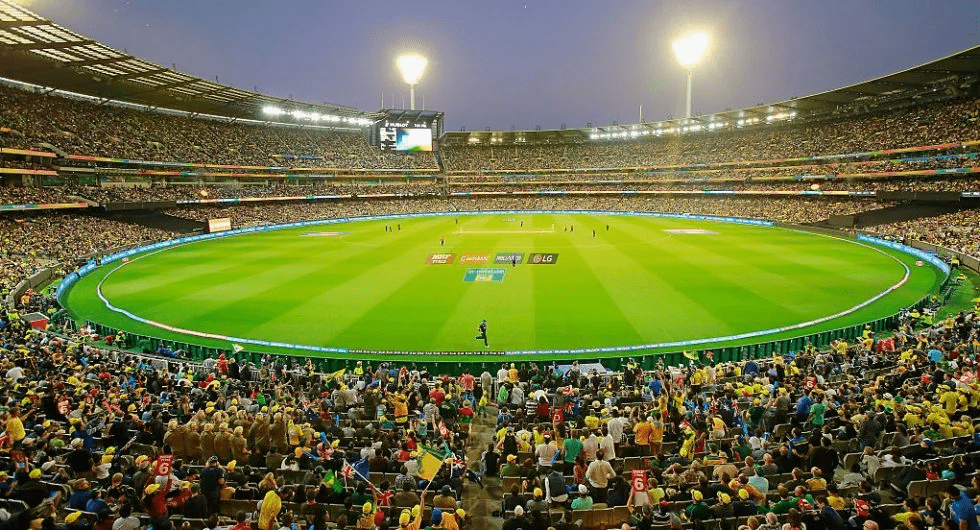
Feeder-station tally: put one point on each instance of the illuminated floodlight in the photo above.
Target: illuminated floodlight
(689, 51)
(412, 66)
(271, 111)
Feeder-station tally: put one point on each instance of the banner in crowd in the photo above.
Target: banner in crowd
(638, 480)
(429, 462)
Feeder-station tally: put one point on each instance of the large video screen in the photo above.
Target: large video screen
(406, 139)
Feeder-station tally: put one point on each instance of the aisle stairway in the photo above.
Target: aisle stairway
(480, 503)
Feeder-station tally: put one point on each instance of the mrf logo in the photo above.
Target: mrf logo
(440, 259)
(507, 258)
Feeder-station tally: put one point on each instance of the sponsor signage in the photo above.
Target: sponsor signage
(484, 275)
(220, 224)
(539, 258)
(442, 258)
(506, 258)
(474, 259)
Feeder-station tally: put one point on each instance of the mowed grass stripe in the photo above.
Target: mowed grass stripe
(720, 284)
(508, 306)
(412, 311)
(710, 273)
(628, 286)
(594, 318)
(822, 254)
(323, 303)
(584, 301)
(799, 287)
(156, 294)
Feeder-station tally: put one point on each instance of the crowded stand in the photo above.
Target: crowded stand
(34, 242)
(879, 433)
(192, 192)
(84, 128)
(874, 434)
(918, 126)
(959, 231)
(790, 210)
(38, 194)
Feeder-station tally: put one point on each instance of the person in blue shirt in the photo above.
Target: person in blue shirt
(830, 517)
(962, 512)
(803, 407)
(87, 440)
(656, 386)
(751, 369)
(95, 503)
(81, 496)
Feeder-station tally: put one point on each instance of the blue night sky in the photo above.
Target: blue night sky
(528, 63)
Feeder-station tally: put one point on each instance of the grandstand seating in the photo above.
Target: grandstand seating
(129, 399)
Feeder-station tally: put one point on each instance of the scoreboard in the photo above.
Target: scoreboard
(394, 138)
(407, 131)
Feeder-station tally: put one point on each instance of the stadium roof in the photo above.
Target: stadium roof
(951, 76)
(38, 51)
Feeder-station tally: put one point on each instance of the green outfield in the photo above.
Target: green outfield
(645, 281)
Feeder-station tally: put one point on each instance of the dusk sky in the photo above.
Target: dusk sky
(528, 63)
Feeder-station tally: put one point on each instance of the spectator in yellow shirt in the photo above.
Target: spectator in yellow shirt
(15, 426)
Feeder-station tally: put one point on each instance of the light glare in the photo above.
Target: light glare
(412, 66)
(691, 48)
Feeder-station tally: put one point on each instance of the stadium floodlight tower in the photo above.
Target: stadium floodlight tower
(689, 51)
(412, 66)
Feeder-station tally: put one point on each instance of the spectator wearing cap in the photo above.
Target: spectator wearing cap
(518, 521)
(745, 506)
(584, 500)
(511, 468)
(235, 475)
(724, 507)
(75, 521)
(155, 504)
(81, 496)
(537, 504)
(80, 459)
(445, 499)
(698, 510)
(453, 519)
(212, 479)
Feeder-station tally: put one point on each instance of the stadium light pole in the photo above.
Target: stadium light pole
(689, 51)
(412, 66)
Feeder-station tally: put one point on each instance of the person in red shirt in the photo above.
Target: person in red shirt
(222, 364)
(467, 382)
(466, 412)
(241, 522)
(155, 504)
(438, 394)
